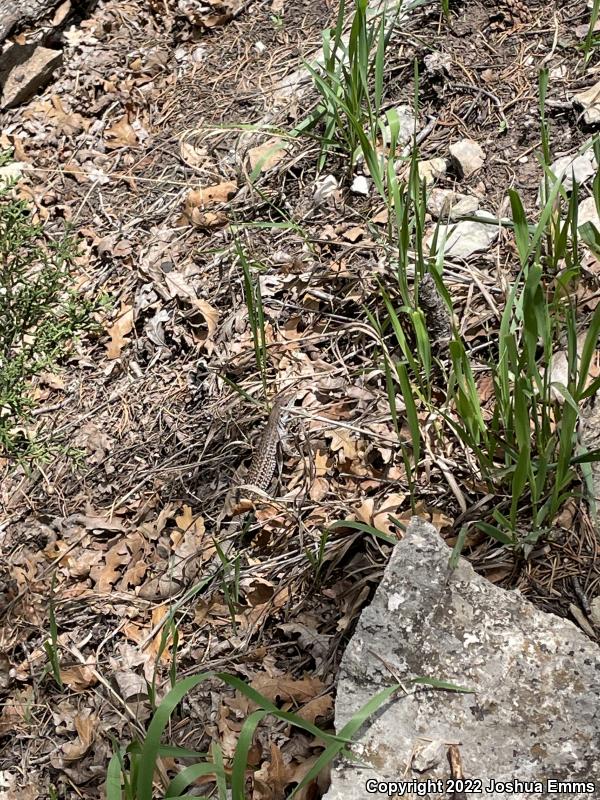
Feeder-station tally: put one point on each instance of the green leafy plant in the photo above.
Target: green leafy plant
(591, 39)
(528, 452)
(230, 582)
(40, 314)
(131, 771)
(525, 446)
(256, 314)
(51, 645)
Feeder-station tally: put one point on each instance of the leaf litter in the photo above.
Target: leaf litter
(152, 432)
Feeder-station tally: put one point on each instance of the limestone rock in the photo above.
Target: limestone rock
(468, 237)
(582, 167)
(467, 156)
(10, 173)
(587, 212)
(431, 170)
(534, 710)
(446, 204)
(360, 185)
(18, 12)
(325, 188)
(404, 120)
(589, 99)
(29, 75)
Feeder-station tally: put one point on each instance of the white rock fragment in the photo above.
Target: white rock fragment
(361, 185)
(589, 100)
(437, 63)
(431, 170)
(404, 118)
(465, 238)
(588, 212)
(582, 167)
(556, 73)
(559, 369)
(446, 204)
(467, 156)
(324, 189)
(199, 54)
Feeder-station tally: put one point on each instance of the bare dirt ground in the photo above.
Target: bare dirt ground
(145, 431)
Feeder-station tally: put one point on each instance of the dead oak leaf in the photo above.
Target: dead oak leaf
(288, 690)
(122, 326)
(78, 677)
(266, 156)
(321, 706)
(274, 776)
(120, 134)
(85, 725)
(211, 195)
(210, 314)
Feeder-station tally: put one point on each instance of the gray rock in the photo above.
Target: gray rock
(325, 188)
(589, 100)
(18, 12)
(467, 156)
(468, 237)
(431, 169)
(405, 119)
(582, 167)
(534, 714)
(446, 204)
(587, 212)
(29, 75)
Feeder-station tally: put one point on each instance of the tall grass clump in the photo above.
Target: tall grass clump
(525, 446)
(350, 83)
(528, 450)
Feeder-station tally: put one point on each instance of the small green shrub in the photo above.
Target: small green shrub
(40, 313)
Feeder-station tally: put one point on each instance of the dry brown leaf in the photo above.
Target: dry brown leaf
(319, 489)
(390, 506)
(67, 122)
(134, 575)
(228, 736)
(287, 689)
(206, 220)
(85, 725)
(274, 776)
(211, 195)
(354, 234)
(78, 677)
(13, 715)
(381, 218)
(118, 331)
(210, 314)
(341, 439)
(107, 575)
(120, 134)
(265, 156)
(317, 707)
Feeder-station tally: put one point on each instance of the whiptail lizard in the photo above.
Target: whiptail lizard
(260, 472)
(255, 484)
(264, 461)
